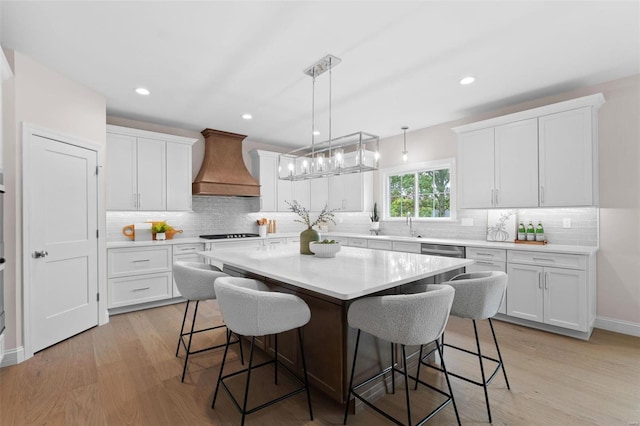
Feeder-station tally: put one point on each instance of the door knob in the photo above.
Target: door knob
(41, 253)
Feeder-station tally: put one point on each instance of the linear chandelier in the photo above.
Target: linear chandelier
(354, 153)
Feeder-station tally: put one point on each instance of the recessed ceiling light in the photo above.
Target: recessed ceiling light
(247, 116)
(467, 80)
(142, 91)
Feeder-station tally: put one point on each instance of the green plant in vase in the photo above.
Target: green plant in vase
(159, 229)
(375, 219)
(310, 234)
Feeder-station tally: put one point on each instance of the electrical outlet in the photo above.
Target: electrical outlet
(467, 221)
(566, 222)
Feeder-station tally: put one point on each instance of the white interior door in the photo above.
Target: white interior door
(61, 235)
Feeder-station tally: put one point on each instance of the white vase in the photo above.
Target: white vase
(161, 236)
(375, 225)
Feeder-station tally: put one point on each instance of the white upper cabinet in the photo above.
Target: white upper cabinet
(475, 159)
(567, 159)
(179, 175)
(499, 166)
(543, 157)
(147, 170)
(351, 192)
(319, 190)
(264, 167)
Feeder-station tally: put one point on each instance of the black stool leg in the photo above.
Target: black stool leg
(393, 363)
(419, 364)
(184, 318)
(276, 361)
(241, 352)
(406, 384)
(224, 359)
(193, 324)
(353, 370)
(499, 355)
(304, 368)
(484, 380)
(246, 390)
(446, 376)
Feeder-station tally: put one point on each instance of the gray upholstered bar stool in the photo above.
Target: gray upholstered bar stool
(195, 283)
(249, 308)
(478, 296)
(404, 319)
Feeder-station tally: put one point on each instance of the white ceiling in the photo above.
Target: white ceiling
(207, 63)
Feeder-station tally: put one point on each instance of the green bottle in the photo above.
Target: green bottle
(539, 232)
(522, 232)
(531, 232)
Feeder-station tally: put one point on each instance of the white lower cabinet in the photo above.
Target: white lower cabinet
(561, 294)
(186, 253)
(489, 259)
(138, 275)
(357, 242)
(406, 247)
(380, 245)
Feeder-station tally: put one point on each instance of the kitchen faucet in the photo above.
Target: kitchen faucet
(410, 223)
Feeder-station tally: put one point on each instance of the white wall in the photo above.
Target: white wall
(42, 97)
(618, 260)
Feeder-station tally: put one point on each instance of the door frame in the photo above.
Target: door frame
(28, 131)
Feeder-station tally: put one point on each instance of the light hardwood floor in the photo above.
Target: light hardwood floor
(126, 373)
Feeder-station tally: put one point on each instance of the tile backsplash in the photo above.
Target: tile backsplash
(222, 215)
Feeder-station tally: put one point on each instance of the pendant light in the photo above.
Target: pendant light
(354, 153)
(405, 153)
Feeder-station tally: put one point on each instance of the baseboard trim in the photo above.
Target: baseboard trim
(618, 326)
(13, 357)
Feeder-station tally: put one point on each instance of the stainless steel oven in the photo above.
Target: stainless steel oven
(1, 252)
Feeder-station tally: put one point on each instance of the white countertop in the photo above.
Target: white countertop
(352, 273)
(547, 248)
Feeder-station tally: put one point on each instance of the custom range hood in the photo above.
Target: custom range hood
(223, 171)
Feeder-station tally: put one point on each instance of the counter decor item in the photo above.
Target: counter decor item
(309, 234)
(375, 220)
(501, 225)
(159, 230)
(324, 248)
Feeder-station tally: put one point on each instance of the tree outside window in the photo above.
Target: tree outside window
(424, 193)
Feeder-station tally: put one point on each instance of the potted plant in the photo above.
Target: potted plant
(159, 230)
(375, 220)
(309, 234)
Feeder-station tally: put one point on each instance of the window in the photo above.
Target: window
(420, 191)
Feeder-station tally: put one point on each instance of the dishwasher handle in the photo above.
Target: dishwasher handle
(452, 252)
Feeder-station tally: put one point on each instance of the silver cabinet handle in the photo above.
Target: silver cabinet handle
(41, 253)
(484, 254)
(540, 280)
(188, 249)
(480, 262)
(141, 289)
(492, 191)
(141, 260)
(542, 259)
(541, 194)
(497, 192)
(546, 281)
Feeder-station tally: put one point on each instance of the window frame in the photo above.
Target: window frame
(449, 163)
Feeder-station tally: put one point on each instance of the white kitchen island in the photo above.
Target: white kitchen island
(328, 286)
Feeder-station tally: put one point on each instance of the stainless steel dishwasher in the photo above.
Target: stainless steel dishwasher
(446, 251)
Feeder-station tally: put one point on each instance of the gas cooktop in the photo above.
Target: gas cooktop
(224, 236)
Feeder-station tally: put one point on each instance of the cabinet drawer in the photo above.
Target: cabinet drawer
(487, 265)
(573, 261)
(276, 241)
(139, 289)
(487, 254)
(180, 249)
(358, 242)
(406, 247)
(380, 245)
(236, 244)
(139, 260)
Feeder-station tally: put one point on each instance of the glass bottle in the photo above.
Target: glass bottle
(539, 232)
(531, 232)
(522, 232)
